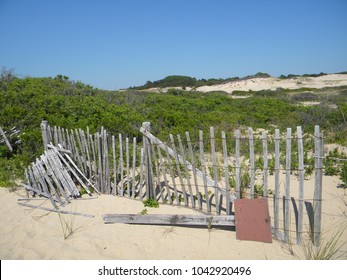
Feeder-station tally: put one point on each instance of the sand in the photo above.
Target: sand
(38, 234)
(271, 83)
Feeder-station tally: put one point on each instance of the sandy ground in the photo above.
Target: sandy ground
(272, 83)
(38, 234)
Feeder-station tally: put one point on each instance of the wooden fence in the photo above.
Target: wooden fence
(206, 173)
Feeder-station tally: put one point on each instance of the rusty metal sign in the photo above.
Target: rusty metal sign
(252, 220)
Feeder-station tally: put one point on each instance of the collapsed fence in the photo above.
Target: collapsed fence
(203, 173)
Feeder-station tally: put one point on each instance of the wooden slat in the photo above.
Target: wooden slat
(127, 157)
(179, 170)
(55, 210)
(317, 198)
(203, 170)
(226, 172)
(44, 132)
(190, 148)
(172, 173)
(134, 169)
(163, 170)
(266, 164)
(141, 174)
(114, 191)
(287, 185)
(301, 185)
(251, 160)
(186, 171)
(215, 170)
(277, 183)
(174, 220)
(121, 164)
(157, 175)
(238, 165)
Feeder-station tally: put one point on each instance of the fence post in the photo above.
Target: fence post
(148, 162)
(317, 199)
(44, 125)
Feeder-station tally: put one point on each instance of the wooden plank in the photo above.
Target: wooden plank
(121, 164)
(226, 172)
(94, 165)
(251, 160)
(277, 183)
(55, 135)
(100, 171)
(238, 165)
(85, 144)
(106, 166)
(172, 174)
(173, 220)
(179, 170)
(141, 174)
(190, 148)
(215, 170)
(186, 171)
(301, 185)
(287, 185)
(82, 152)
(134, 169)
(163, 170)
(157, 176)
(203, 170)
(318, 173)
(45, 139)
(266, 164)
(55, 210)
(114, 191)
(127, 157)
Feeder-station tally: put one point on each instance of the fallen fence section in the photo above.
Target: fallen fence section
(56, 177)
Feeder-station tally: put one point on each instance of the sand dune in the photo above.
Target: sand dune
(271, 83)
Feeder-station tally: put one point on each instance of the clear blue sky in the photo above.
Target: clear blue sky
(121, 43)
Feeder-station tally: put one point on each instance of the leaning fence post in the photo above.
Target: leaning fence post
(317, 199)
(44, 125)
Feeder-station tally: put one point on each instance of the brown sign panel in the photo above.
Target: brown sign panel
(252, 220)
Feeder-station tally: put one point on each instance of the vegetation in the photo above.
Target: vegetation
(25, 102)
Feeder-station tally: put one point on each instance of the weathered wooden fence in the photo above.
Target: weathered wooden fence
(204, 173)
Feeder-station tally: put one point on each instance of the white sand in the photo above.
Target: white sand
(272, 83)
(37, 234)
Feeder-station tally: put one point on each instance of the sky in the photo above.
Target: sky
(122, 43)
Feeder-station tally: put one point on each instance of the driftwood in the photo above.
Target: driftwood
(174, 220)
